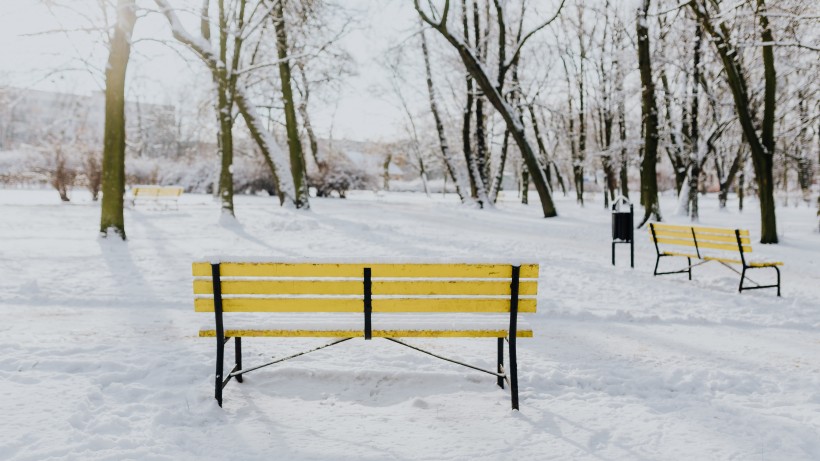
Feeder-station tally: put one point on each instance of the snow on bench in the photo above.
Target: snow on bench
(361, 300)
(726, 246)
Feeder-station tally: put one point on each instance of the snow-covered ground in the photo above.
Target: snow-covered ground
(101, 360)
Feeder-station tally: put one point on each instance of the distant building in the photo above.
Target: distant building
(33, 117)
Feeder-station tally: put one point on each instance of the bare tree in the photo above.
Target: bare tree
(762, 143)
(508, 113)
(649, 111)
(112, 220)
(217, 65)
(297, 157)
(452, 167)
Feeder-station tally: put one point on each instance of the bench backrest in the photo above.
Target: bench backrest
(156, 191)
(328, 287)
(701, 238)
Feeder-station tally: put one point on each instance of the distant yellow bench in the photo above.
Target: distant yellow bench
(726, 246)
(158, 194)
(358, 300)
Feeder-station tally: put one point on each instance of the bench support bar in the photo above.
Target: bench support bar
(239, 373)
(446, 359)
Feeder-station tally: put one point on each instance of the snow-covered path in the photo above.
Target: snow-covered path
(101, 359)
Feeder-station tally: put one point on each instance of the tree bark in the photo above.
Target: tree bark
(649, 113)
(303, 112)
(511, 119)
(481, 154)
(297, 157)
(267, 146)
(452, 167)
(695, 155)
(113, 177)
(466, 133)
(762, 146)
(498, 179)
(623, 173)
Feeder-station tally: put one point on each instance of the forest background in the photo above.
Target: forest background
(315, 97)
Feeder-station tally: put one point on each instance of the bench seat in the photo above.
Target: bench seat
(725, 246)
(319, 325)
(723, 259)
(343, 301)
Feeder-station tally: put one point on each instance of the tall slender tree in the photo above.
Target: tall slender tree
(113, 176)
(462, 187)
(761, 141)
(297, 156)
(511, 118)
(649, 114)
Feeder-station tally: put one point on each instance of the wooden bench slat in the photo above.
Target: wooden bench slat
(156, 191)
(294, 287)
(691, 243)
(680, 233)
(722, 238)
(686, 234)
(443, 305)
(305, 333)
(315, 270)
(703, 229)
(350, 287)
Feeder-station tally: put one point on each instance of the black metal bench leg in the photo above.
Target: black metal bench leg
(657, 261)
(238, 353)
(500, 367)
(742, 277)
(689, 261)
(513, 374)
(220, 357)
(778, 279)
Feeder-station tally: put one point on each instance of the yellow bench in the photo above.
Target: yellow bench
(158, 194)
(358, 300)
(726, 246)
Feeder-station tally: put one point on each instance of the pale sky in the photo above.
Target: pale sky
(31, 58)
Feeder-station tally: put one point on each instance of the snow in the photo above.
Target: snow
(102, 359)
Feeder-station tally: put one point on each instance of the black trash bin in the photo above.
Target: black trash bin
(623, 227)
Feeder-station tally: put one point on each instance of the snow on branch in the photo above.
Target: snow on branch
(249, 112)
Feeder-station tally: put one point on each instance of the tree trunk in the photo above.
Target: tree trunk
(695, 156)
(623, 175)
(578, 163)
(481, 155)
(676, 148)
(386, 171)
(649, 113)
(452, 167)
(297, 157)
(727, 178)
(805, 172)
(113, 176)
(511, 119)
(499, 174)
(267, 145)
(762, 146)
(466, 133)
(224, 114)
(303, 112)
